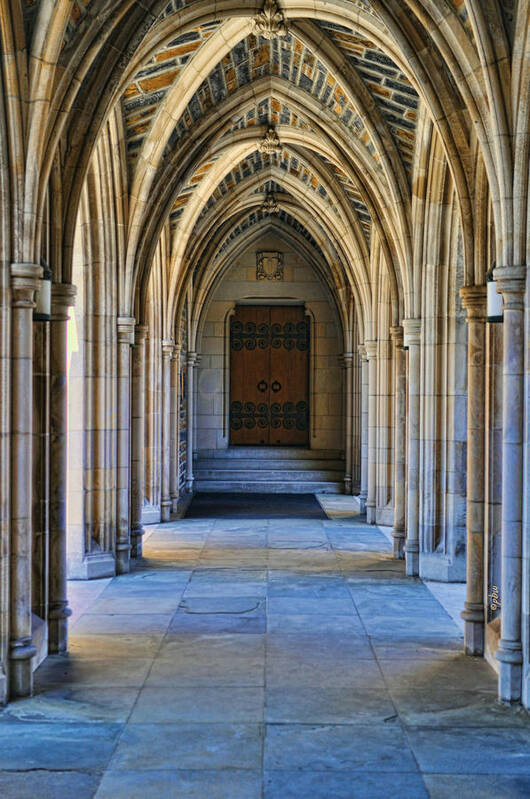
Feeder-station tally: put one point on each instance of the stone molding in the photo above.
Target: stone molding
(25, 282)
(361, 349)
(346, 359)
(371, 349)
(168, 349)
(511, 283)
(63, 298)
(140, 334)
(396, 334)
(126, 326)
(192, 358)
(411, 332)
(270, 23)
(475, 301)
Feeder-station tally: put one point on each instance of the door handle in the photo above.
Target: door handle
(262, 386)
(276, 386)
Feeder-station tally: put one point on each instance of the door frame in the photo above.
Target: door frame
(268, 301)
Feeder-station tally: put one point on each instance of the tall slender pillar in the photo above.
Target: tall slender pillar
(347, 361)
(191, 361)
(412, 339)
(125, 341)
(63, 297)
(511, 283)
(167, 354)
(25, 281)
(175, 408)
(400, 393)
(364, 427)
(137, 439)
(371, 354)
(474, 301)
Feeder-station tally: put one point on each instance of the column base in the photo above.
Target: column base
(21, 668)
(123, 558)
(58, 628)
(174, 504)
(136, 541)
(412, 562)
(362, 503)
(94, 566)
(370, 514)
(474, 630)
(165, 510)
(510, 659)
(398, 544)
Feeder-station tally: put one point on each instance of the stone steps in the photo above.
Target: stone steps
(269, 469)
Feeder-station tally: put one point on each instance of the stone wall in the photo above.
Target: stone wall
(300, 284)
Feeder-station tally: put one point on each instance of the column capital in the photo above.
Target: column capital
(475, 301)
(411, 331)
(361, 349)
(346, 359)
(176, 351)
(396, 334)
(63, 298)
(168, 348)
(25, 282)
(511, 283)
(126, 326)
(371, 349)
(192, 358)
(140, 334)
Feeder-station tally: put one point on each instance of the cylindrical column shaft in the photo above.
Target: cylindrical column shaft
(474, 301)
(165, 504)
(412, 339)
(398, 531)
(175, 412)
(364, 428)
(191, 361)
(63, 296)
(371, 353)
(137, 439)
(511, 282)
(347, 361)
(123, 542)
(25, 279)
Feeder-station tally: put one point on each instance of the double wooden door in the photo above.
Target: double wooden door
(269, 376)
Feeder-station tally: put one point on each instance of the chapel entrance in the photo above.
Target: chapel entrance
(269, 376)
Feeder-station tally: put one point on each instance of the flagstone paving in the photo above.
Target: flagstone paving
(283, 658)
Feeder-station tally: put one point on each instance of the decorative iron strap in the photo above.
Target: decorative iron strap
(249, 415)
(290, 335)
(249, 335)
(290, 415)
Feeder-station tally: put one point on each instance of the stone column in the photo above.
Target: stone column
(175, 407)
(63, 297)
(364, 428)
(137, 439)
(412, 339)
(125, 341)
(474, 299)
(25, 281)
(371, 354)
(400, 426)
(347, 361)
(191, 361)
(165, 502)
(511, 283)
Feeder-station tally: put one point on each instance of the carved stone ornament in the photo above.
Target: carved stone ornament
(270, 143)
(269, 266)
(270, 206)
(270, 23)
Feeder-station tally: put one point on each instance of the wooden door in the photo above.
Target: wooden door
(269, 376)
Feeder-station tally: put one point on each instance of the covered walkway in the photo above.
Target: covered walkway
(268, 651)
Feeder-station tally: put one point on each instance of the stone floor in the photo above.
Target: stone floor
(279, 658)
